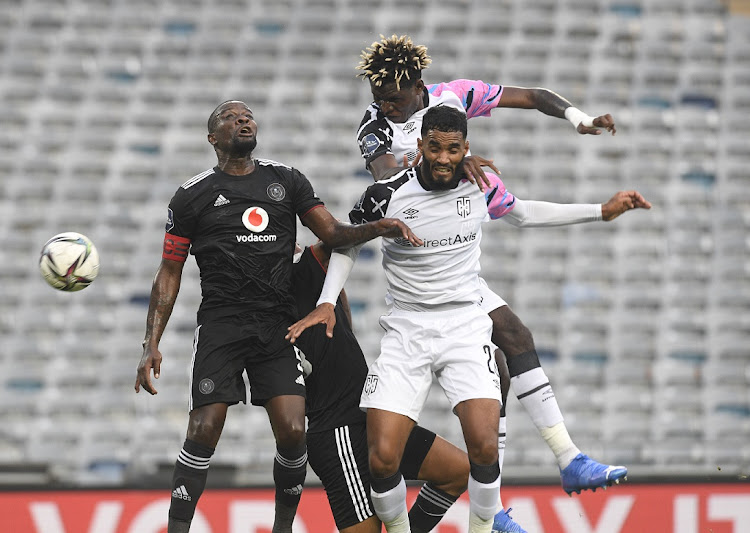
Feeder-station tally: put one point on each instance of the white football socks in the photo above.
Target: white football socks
(390, 506)
(500, 457)
(560, 443)
(533, 390)
(483, 499)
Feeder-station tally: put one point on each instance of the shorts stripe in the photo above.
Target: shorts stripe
(357, 491)
(192, 366)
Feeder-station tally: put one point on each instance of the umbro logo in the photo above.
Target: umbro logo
(220, 200)
(181, 493)
(410, 213)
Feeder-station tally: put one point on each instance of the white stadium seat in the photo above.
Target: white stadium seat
(105, 109)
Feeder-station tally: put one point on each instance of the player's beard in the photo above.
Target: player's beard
(437, 185)
(244, 146)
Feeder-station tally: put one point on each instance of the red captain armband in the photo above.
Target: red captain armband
(176, 248)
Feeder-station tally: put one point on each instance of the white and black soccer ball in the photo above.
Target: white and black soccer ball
(69, 261)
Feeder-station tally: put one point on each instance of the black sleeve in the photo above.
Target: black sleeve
(304, 196)
(372, 205)
(181, 219)
(375, 135)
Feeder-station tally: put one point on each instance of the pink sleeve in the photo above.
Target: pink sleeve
(499, 200)
(478, 97)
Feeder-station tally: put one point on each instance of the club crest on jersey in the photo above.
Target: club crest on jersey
(276, 192)
(369, 143)
(463, 206)
(371, 384)
(255, 219)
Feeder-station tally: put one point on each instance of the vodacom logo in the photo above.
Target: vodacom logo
(255, 219)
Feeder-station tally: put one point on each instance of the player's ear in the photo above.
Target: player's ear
(419, 85)
(466, 147)
(419, 145)
(211, 139)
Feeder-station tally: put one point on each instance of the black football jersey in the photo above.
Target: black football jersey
(242, 231)
(339, 366)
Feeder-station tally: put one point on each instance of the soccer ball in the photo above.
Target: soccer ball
(69, 261)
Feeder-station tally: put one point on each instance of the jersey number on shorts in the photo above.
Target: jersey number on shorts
(491, 366)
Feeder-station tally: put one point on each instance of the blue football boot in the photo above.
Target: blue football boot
(584, 473)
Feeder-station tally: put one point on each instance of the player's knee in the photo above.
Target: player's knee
(457, 485)
(384, 460)
(483, 452)
(509, 333)
(290, 435)
(205, 430)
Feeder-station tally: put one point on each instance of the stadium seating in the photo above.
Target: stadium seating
(642, 324)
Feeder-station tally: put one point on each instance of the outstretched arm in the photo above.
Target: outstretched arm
(336, 234)
(163, 295)
(621, 202)
(532, 213)
(552, 104)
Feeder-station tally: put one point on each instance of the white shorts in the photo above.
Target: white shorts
(490, 300)
(455, 345)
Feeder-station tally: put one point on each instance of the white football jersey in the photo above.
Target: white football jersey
(444, 271)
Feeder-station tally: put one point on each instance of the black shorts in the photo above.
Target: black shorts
(339, 458)
(222, 351)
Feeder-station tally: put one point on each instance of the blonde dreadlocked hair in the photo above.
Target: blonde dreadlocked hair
(393, 59)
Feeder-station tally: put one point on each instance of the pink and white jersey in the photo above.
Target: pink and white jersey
(444, 271)
(377, 135)
(499, 200)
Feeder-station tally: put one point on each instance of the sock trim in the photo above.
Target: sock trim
(437, 497)
(485, 474)
(532, 391)
(381, 485)
(522, 362)
(193, 461)
(291, 463)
